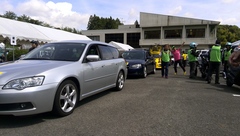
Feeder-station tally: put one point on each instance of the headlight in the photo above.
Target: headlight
(22, 83)
(136, 66)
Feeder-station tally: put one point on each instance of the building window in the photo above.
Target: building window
(133, 39)
(114, 37)
(95, 38)
(155, 34)
(177, 33)
(195, 33)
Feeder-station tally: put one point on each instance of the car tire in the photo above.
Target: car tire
(120, 81)
(66, 98)
(144, 72)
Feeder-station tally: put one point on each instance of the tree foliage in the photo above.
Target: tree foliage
(97, 23)
(228, 33)
(10, 15)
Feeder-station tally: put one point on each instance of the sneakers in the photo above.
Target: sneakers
(166, 77)
(185, 73)
(175, 73)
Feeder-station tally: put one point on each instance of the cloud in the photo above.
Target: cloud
(229, 1)
(175, 11)
(56, 14)
(7, 6)
(133, 15)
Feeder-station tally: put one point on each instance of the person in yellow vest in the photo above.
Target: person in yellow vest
(226, 56)
(184, 59)
(192, 58)
(165, 57)
(215, 62)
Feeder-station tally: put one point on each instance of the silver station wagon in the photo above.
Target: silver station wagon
(55, 76)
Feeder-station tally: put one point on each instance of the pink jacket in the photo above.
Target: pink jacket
(176, 54)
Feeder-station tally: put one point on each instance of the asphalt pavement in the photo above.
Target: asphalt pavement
(152, 106)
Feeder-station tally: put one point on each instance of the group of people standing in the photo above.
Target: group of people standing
(166, 58)
(216, 58)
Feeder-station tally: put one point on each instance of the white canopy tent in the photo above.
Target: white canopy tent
(236, 43)
(121, 46)
(27, 31)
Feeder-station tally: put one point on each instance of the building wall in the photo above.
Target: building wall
(163, 24)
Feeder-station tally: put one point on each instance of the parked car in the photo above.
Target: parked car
(55, 76)
(139, 62)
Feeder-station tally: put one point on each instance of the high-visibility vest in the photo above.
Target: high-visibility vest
(215, 54)
(191, 57)
(227, 54)
(166, 56)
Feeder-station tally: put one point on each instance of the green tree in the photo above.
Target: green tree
(228, 33)
(10, 15)
(96, 23)
(24, 18)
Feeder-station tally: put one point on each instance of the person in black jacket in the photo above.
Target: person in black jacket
(34, 45)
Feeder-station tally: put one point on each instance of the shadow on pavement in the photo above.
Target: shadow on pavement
(9, 121)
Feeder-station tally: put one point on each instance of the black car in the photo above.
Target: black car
(139, 62)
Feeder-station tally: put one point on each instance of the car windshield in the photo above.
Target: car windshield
(133, 55)
(57, 51)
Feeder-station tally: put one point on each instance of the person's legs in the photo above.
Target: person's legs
(191, 69)
(175, 66)
(217, 72)
(210, 70)
(194, 68)
(166, 70)
(225, 69)
(163, 68)
(184, 63)
(181, 65)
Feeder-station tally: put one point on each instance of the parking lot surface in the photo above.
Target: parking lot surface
(152, 106)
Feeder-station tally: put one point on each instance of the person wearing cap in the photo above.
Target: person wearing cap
(227, 52)
(192, 58)
(34, 45)
(177, 58)
(215, 62)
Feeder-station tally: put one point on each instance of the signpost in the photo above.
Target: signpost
(13, 42)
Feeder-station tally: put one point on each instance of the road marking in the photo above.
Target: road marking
(237, 95)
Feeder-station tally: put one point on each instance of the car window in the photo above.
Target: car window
(93, 50)
(115, 52)
(148, 55)
(57, 51)
(133, 55)
(106, 52)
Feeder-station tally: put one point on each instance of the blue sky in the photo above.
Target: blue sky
(75, 13)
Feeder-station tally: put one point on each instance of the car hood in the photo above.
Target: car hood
(26, 68)
(135, 61)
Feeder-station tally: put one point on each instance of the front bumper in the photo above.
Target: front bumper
(135, 72)
(32, 100)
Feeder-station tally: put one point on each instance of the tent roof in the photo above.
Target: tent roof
(236, 43)
(27, 31)
(121, 46)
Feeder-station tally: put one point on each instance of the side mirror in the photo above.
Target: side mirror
(93, 58)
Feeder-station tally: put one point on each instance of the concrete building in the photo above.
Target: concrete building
(160, 29)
